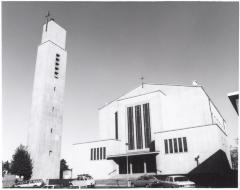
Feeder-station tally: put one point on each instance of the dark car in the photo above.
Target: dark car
(146, 181)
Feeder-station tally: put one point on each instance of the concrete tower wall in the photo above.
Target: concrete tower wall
(45, 131)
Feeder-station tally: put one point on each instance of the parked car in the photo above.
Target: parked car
(83, 180)
(178, 181)
(30, 183)
(145, 181)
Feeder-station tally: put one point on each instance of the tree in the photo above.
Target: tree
(63, 166)
(22, 163)
(5, 168)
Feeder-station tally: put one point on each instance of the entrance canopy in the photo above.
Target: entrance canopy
(132, 154)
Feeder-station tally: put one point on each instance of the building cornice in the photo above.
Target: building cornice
(192, 128)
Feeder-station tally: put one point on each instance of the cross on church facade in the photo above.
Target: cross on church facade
(142, 80)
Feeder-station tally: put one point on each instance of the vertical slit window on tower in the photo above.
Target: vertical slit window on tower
(54, 88)
(57, 64)
(170, 145)
(50, 152)
(57, 59)
(185, 144)
(57, 55)
(56, 73)
(51, 130)
(52, 108)
(56, 68)
(166, 146)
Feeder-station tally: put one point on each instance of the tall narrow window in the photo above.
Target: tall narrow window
(101, 153)
(57, 59)
(97, 153)
(54, 89)
(116, 125)
(52, 108)
(185, 144)
(51, 130)
(147, 127)
(138, 123)
(94, 153)
(180, 144)
(91, 153)
(50, 152)
(130, 128)
(166, 146)
(57, 55)
(175, 145)
(170, 145)
(104, 152)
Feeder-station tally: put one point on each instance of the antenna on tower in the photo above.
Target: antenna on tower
(48, 18)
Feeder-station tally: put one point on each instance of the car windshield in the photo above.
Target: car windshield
(180, 179)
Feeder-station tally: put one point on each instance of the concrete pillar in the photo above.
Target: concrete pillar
(131, 168)
(145, 166)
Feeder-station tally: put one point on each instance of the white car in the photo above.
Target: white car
(178, 181)
(30, 183)
(83, 180)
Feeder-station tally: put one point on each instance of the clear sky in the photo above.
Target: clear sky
(110, 46)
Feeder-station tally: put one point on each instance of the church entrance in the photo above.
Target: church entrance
(137, 164)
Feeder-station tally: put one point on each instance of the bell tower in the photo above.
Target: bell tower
(45, 130)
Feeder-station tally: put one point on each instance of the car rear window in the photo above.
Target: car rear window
(181, 179)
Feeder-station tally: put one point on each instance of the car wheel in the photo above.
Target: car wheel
(148, 185)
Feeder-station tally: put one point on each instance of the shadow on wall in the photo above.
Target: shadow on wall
(214, 172)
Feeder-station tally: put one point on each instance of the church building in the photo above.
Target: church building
(155, 128)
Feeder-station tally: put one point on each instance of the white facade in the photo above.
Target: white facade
(45, 130)
(177, 115)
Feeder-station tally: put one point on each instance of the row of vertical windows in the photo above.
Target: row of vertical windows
(138, 118)
(56, 66)
(98, 153)
(175, 145)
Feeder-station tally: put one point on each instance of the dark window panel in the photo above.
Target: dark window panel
(170, 145)
(138, 123)
(185, 148)
(57, 55)
(180, 144)
(94, 154)
(56, 73)
(101, 153)
(97, 153)
(57, 59)
(91, 153)
(147, 126)
(166, 146)
(56, 68)
(175, 145)
(104, 152)
(130, 128)
(116, 125)
(57, 64)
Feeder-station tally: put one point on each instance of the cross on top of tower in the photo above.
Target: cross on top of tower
(142, 80)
